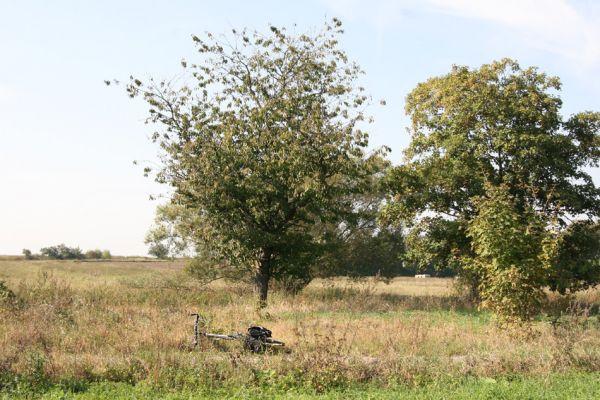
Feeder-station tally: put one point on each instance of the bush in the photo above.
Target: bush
(62, 252)
(93, 254)
(27, 254)
(509, 257)
(159, 250)
(98, 254)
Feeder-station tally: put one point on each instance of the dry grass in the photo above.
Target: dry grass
(129, 321)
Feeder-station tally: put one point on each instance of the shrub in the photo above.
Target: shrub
(27, 254)
(159, 250)
(62, 252)
(98, 254)
(93, 254)
(509, 257)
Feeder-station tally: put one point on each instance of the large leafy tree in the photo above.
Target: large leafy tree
(497, 125)
(261, 144)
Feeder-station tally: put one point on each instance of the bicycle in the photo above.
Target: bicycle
(258, 339)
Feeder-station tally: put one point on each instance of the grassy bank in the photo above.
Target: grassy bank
(570, 386)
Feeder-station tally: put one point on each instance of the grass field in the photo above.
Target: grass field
(123, 330)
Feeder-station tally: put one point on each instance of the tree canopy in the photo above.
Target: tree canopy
(499, 125)
(261, 145)
(62, 252)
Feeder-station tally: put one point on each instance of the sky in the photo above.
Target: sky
(68, 142)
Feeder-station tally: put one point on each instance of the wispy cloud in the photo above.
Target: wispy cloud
(562, 27)
(552, 25)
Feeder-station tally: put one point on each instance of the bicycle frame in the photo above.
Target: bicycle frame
(251, 343)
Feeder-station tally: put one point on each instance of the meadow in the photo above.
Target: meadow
(122, 329)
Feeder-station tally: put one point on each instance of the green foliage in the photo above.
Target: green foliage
(497, 125)
(575, 265)
(62, 252)
(159, 250)
(509, 249)
(171, 234)
(27, 254)
(262, 147)
(433, 242)
(36, 376)
(93, 254)
(368, 251)
(359, 245)
(377, 254)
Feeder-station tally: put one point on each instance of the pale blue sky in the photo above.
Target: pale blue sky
(67, 142)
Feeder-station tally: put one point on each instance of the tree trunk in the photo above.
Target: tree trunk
(263, 275)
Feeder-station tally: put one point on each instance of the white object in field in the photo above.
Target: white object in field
(422, 276)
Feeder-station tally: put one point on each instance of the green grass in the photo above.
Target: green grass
(557, 386)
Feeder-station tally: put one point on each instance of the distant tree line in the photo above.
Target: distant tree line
(63, 252)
